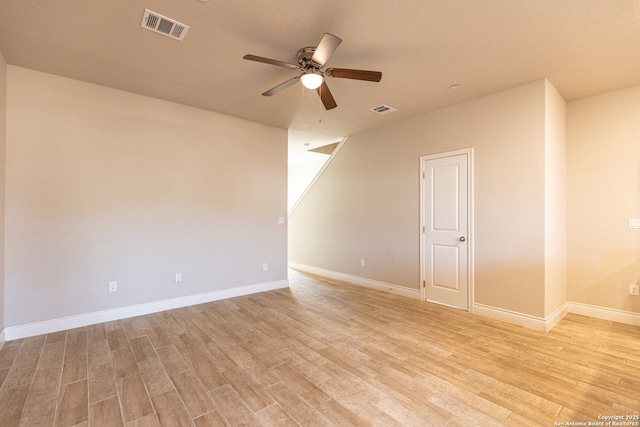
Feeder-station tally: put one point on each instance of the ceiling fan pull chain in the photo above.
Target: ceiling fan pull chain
(302, 99)
(320, 106)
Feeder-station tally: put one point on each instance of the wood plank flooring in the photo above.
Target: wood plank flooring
(320, 354)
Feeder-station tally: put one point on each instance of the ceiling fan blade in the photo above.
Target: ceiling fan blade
(346, 73)
(270, 61)
(326, 97)
(325, 49)
(281, 86)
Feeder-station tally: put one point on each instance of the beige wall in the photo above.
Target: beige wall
(366, 204)
(3, 133)
(555, 200)
(104, 185)
(603, 181)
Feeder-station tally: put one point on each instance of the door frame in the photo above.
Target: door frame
(470, 221)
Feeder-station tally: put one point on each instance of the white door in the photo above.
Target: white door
(445, 210)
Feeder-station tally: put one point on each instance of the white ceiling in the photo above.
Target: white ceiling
(422, 47)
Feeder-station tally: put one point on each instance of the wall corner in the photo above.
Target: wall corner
(555, 210)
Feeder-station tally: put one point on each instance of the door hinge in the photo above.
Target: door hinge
(424, 284)
(424, 229)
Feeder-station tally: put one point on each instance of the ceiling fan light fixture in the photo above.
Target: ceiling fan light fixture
(311, 80)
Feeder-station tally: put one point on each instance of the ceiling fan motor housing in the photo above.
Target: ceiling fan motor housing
(304, 58)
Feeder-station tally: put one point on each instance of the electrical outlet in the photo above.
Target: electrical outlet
(265, 267)
(362, 263)
(178, 278)
(634, 290)
(113, 286)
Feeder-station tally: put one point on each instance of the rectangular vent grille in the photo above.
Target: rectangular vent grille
(163, 25)
(383, 109)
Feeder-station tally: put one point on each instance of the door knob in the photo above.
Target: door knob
(462, 239)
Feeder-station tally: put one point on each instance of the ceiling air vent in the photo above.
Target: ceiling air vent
(383, 109)
(163, 25)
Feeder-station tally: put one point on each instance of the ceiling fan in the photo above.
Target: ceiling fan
(311, 61)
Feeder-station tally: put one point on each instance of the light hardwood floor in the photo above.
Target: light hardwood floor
(320, 354)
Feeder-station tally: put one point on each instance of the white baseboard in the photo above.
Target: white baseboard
(604, 313)
(526, 320)
(71, 322)
(556, 316)
(357, 280)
